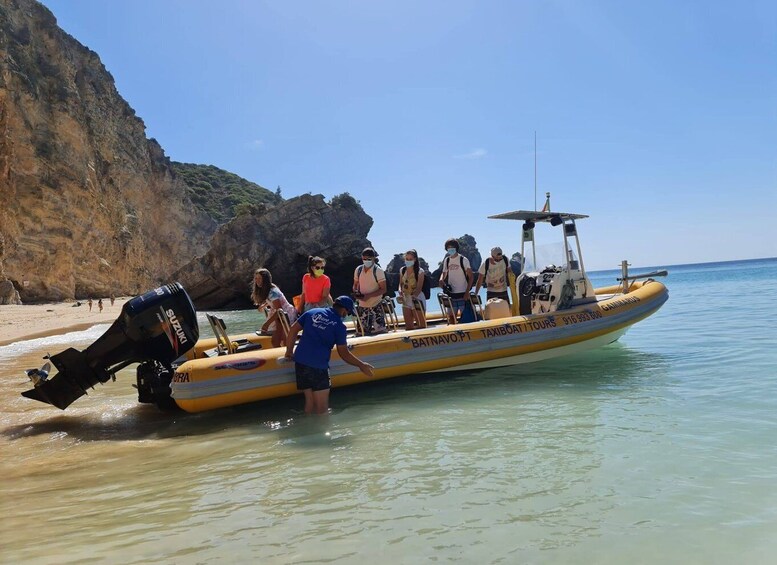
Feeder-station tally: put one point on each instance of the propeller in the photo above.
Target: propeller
(37, 376)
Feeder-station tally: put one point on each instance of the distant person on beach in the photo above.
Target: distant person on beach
(113, 299)
(369, 286)
(322, 328)
(265, 293)
(100, 304)
(411, 284)
(456, 281)
(315, 285)
(90, 303)
(493, 272)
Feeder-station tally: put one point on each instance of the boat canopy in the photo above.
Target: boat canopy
(525, 215)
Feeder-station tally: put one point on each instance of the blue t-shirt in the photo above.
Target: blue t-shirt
(322, 329)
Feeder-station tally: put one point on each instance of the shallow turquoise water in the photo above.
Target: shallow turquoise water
(659, 448)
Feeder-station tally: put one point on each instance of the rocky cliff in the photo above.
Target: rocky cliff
(88, 204)
(219, 193)
(279, 238)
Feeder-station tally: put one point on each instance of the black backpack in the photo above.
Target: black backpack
(426, 288)
(507, 266)
(447, 267)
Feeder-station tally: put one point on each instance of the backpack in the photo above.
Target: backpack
(507, 266)
(447, 264)
(426, 288)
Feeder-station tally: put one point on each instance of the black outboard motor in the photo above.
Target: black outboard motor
(159, 325)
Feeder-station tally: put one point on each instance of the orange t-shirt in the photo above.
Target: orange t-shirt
(313, 287)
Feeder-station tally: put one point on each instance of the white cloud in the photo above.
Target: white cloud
(256, 144)
(474, 154)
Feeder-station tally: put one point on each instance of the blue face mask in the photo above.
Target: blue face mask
(451, 251)
(368, 264)
(409, 264)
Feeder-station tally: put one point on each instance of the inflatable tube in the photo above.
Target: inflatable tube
(217, 382)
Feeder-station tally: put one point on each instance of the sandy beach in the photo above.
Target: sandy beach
(39, 320)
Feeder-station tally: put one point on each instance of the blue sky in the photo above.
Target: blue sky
(658, 119)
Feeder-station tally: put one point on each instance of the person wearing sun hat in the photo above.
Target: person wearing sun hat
(322, 329)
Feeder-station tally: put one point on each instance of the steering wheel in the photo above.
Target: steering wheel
(527, 286)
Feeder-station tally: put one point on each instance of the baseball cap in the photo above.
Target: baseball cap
(496, 251)
(345, 302)
(369, 252)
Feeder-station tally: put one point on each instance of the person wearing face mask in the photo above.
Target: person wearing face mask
(322, 329)
(369, 286)
(411, 284)
(315, 286)
(457, 276)
(494, 272)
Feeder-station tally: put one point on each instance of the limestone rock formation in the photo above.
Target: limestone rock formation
(280, 238)
(88, 204)
(8, 293)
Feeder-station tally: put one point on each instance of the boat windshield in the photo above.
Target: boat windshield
(547, 254)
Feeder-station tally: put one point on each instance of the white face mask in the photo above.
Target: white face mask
(367, 263)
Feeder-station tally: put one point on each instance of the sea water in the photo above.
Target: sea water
(660, 448)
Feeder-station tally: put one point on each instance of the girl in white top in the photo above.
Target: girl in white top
(267, 295)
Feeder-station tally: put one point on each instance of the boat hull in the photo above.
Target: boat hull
(206, 384)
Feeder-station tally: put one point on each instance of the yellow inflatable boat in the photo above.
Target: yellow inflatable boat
(557, 312)
(206, 384)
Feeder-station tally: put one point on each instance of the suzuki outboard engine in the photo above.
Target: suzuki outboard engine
(160, 325)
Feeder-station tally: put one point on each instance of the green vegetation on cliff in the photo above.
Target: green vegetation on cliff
(219, 193)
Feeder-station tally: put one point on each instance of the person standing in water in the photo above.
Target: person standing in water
(322, 328)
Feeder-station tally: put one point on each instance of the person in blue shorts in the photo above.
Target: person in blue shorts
(322, 328)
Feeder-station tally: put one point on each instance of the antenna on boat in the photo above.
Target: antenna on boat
(535, 170)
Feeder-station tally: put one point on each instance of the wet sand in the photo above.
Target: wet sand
(31, 321)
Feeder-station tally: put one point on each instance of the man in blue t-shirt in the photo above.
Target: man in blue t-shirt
(322, 328)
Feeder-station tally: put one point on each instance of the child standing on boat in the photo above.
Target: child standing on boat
(267, 294)
(315, 286)
(369, 286)
(322, 328)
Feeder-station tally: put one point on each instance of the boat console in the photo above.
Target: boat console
(555, 288)
(157, 327)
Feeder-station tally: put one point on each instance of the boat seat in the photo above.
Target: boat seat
(224, 345)
(446, 306)
(477, 306)
(284, 321)
(390, 313)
